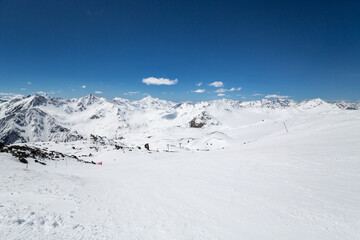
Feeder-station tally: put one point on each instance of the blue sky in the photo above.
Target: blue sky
(301, 49)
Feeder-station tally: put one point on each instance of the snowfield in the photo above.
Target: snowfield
(245, 178)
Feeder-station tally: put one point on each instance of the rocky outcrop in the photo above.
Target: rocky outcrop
(147, 146)
(24, 153)
(201, 120)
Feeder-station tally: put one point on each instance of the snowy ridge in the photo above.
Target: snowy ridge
(43, 118)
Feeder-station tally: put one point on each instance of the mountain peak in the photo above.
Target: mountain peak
(37, 100)
(91, 96)
(149, 98)
(89, 99)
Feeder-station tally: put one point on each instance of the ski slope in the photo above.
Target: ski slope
(254, 182)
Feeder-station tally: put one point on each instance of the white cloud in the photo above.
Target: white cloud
(45, 93)
(221, 95)
(276, 96)
(216, 84)
(199, 84)
(159, 81)
(73, 90)
(29, 83)
(10, 95)
(83, 86)
(98, 92)
(131, 93)
(199, 91)
(7, 94)
(22, 89)
(257, 94)
(222, 90)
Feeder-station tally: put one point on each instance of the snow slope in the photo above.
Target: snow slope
(265, 183)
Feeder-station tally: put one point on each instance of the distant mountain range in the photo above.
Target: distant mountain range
(43, 118)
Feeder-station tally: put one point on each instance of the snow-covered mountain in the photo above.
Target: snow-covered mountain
(23, 120)
(43, 118)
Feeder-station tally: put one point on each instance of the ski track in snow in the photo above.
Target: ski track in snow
(300, 185)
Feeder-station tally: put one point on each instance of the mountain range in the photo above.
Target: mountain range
(43, 118)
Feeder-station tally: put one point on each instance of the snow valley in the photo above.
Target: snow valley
(221, 169)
